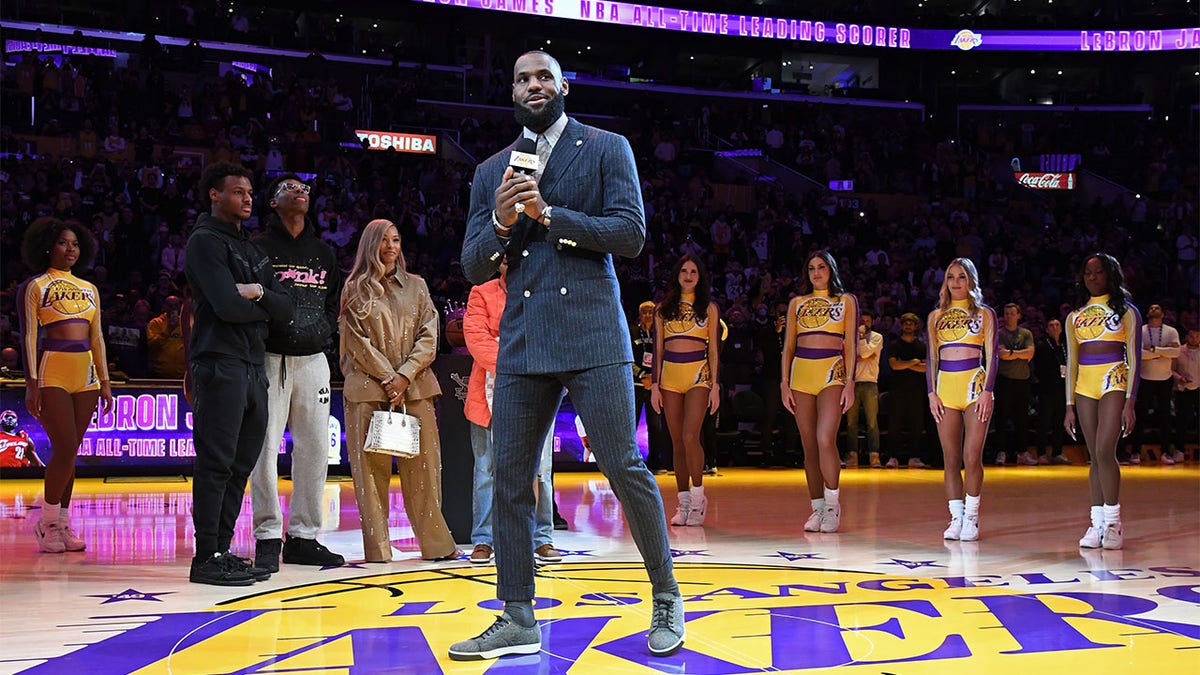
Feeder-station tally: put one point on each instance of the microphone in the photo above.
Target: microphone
(524, 157)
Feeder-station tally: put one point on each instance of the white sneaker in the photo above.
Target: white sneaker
(70, 540)
(892, 463)
(1179, 457)
(695, 517)
(1026, 459)
(1091, 538)
(970, 529)
(49, 537)
(1135, 458)
(954, 531)
(832, 518)
(681, 512)
(1167, 458)
(1001, 458)
(813, 524)
(1113, 537)
(915, 463)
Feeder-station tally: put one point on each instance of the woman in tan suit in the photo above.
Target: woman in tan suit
(389, 334)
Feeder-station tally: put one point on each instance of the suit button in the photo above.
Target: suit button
(527, 294)
(559, 247)
(563, 290)
(525, 253)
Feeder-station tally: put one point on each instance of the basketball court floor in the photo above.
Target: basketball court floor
(885, 595)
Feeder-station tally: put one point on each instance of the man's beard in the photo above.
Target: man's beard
(540, 121)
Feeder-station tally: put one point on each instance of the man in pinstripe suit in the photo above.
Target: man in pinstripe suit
(562, 327)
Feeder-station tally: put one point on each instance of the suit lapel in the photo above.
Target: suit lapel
(570, 143)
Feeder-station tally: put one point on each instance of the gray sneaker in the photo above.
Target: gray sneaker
(502, 638)
(666, 625)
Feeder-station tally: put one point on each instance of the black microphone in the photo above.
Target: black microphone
(524, 157)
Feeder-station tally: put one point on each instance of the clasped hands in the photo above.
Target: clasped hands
(394, 388)
(518, 189)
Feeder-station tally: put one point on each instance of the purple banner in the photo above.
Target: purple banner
(788, 29)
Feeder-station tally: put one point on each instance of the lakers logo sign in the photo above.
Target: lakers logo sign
(67, 299)
(1094, 320)
(818, 311)
(739, 619)
(686, 320)
(955, 324)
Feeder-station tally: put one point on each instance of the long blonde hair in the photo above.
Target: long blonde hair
(974, 294)
(364, 285)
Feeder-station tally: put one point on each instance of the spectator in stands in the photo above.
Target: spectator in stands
(164, 338)
(960, 375)
(820, 338)
(66, 371)
(1103, 364)
(389, 335)
(642, 338)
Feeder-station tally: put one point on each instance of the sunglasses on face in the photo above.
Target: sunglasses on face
(289, 186)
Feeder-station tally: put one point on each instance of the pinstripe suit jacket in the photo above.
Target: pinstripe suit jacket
(563, 310)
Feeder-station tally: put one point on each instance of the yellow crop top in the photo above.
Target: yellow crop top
(819, 314)
(688, 323)
(957, 326)
(55, 297)
(1096, 322)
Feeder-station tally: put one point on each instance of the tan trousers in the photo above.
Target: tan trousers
(420, 483)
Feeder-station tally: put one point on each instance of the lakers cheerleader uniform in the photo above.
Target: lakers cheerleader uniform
(685, 349)
(71, 365)
(814, 370)
(1112, 366)
(960, 382)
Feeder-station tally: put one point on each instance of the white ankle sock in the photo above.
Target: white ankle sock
(831, 496)
(1112, 513)
(971, 505)
(50, 513)
(956, 508)
(818, 504)
(685, 497)
(1097, 516)
(697, 492)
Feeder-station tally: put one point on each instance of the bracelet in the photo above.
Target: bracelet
(504, 231)
(261, 292)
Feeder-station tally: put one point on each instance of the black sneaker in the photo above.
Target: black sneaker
(256, 573)
(560, 523)
(219, 570)
(266, 554)
(297, 551)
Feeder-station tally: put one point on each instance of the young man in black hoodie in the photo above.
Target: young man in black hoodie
(234, 297)
(298, 379)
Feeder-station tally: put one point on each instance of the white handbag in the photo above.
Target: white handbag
(394, 433)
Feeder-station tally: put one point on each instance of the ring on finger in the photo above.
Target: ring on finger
(520, 207)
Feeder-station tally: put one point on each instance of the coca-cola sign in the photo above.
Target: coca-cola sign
(1035, 180)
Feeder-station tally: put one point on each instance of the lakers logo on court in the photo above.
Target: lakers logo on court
(66, 298)
(740, 618)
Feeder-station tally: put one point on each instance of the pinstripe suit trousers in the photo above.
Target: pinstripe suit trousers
(523, 409)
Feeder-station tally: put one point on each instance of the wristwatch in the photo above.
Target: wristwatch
(546, 216)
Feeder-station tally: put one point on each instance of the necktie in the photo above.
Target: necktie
(543, 153)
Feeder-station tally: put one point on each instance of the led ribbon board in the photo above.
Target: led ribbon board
(789, 29)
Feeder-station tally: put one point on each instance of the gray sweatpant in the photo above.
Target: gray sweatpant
(298, 398)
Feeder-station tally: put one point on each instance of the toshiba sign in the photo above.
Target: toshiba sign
(395, 141)
(1046, 181)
